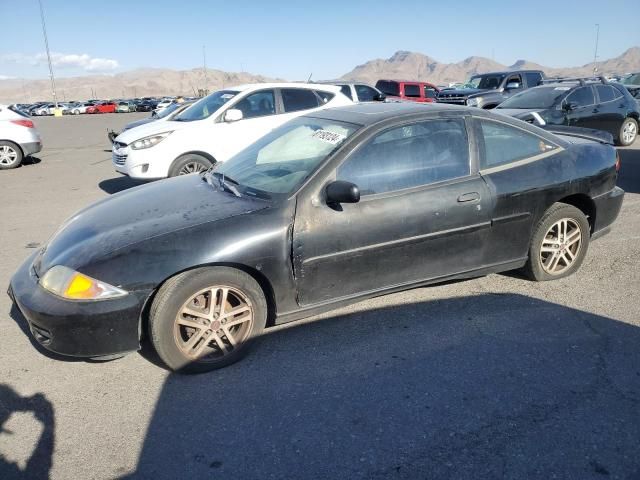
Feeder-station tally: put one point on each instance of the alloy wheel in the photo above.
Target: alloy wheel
(192, 167)
(629, 132)
(560, 246)
(213, 323)
(8, 155)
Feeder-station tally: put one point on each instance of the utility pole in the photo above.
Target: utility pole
(46, 44)
(595, 54)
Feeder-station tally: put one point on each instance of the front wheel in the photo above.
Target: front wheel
(10, 155)
(559, 243)
(189, 163)
(205, 319)
(628, 132)
(76, 112)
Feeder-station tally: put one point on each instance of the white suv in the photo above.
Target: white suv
(18, 137)
(216, 127)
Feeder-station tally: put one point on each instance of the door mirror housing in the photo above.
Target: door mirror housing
(568, 106)
(379, 97)
(342, 192)
(513, 85)
(233, 115)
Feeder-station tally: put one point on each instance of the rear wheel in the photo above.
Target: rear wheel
(10, 155)
(205, 319)
(559, 243)
(628, 132)
(189, 163)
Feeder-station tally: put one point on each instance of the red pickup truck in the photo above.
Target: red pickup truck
(407, 90)
(102, 107)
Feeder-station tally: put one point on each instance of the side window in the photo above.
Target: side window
(411, 90)
(505, 144)
(258, 104)
(533, 79)
(606, 93)
(430, 92)
(296, 99)
(365, 93)
(514, 79)
(582, 96)
(324, 96)
(409, 156)
(346, 89)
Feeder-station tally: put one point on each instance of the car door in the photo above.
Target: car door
(259, 117)
(611, 109)
(423, 214)
(512, 79)
(413, 92)
(582, 105)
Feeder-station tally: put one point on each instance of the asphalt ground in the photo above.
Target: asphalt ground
(495, 377)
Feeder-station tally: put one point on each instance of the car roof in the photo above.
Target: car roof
(370, 113)
(257, 86)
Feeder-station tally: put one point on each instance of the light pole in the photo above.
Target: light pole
(204, 69)
(46, 44)
(595, 54)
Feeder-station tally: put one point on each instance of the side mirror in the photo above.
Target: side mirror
(570, 106)
(233, 115)
(513, 85)
(379, 97)
(342, 192)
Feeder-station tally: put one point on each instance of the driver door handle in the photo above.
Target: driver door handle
(469, 197)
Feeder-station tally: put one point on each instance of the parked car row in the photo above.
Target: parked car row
(146, 104)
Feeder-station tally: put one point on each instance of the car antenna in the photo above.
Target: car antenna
(309, 79)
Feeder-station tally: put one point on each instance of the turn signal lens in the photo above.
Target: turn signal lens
(67, 283)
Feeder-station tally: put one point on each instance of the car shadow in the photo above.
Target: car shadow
(40, 461)
(117, 184)
(30, 160)
(629, 177)
(486, 386)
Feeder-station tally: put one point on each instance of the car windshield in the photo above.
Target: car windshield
(206, 106)
(486, 82)
(168, 111)
(537, 97)
(281, 161)
(633, 79)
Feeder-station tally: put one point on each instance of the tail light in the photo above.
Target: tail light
(23, 123)
(617, 161)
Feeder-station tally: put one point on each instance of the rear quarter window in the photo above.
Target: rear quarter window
(388, 87)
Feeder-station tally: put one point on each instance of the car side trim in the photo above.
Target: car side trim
(402, 241)
(519, 163)
(510, 218)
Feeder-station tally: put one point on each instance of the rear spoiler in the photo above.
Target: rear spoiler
(584, 133)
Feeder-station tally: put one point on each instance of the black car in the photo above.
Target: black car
(488, 90)
(581, 103)
(632, 83)
(330, 208)
(146, 106)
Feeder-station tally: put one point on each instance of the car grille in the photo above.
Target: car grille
(119, 158)
(452, 98)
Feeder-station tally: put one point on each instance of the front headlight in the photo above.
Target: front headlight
(150, 141)
(473, 102)
(67, 283)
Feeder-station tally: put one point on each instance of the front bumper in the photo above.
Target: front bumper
(139, 164)
(77, 328)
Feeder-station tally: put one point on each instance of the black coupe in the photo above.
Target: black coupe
(328, 209)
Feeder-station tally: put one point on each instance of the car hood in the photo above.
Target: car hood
(151, 128)
(139, 214)
(519, 112)
(137, 123)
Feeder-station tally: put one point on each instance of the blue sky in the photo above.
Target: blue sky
(291, 39)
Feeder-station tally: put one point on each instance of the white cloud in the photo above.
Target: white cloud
(5, 77)
(65, 60)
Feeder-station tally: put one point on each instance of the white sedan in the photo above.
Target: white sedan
(18, 137)
(216, 127)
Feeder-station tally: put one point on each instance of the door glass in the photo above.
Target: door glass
(258, 104)
(409, 156)
(346, 89)
(582, 97)
(430, 92)
(504, 144)
(533, 79)
(411, 90)
(365, 93)
(296, 99)
(605, 93)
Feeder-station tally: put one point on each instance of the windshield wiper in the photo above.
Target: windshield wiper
(222, 181)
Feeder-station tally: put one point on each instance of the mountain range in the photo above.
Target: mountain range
(401, 65)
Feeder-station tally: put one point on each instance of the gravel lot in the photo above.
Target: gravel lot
(495, 377)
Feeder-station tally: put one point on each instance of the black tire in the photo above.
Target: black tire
(173, 295)
(10, 155)
(534, 268)
(630, 126)
(183, 163)
(76, 112)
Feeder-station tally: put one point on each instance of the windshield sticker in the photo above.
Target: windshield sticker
(562, 88)
(329, 137)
